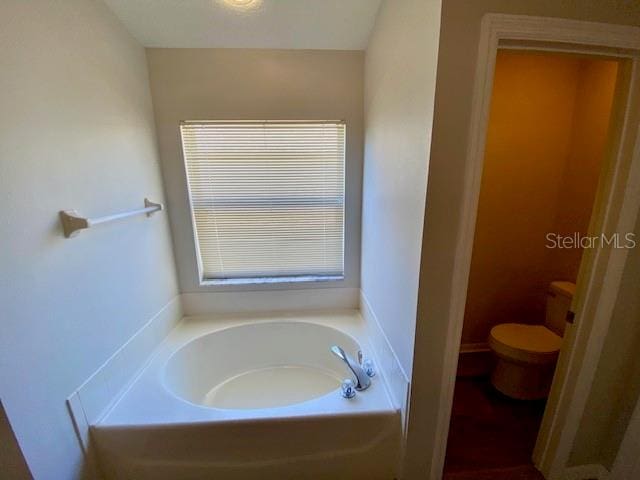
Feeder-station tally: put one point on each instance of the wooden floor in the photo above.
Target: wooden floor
(491, 436)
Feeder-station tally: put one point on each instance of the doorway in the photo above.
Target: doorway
(615, 211)
(547, 133)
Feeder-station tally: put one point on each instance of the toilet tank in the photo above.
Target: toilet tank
(559, 298)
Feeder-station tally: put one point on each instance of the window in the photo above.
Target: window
(267, 199)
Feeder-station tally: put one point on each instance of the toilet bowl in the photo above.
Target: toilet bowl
(527, 354)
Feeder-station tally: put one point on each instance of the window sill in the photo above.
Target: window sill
(271, 280)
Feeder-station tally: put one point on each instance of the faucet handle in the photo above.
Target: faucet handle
(367, 366)
(348, 388)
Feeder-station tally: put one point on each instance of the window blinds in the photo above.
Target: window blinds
(267, 197)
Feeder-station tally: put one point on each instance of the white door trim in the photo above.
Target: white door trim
(615, 210)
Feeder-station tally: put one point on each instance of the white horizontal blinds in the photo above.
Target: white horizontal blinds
(267, 197)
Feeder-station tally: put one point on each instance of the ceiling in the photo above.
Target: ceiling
(305, 24)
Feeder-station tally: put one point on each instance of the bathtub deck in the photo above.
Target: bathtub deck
(148, 402)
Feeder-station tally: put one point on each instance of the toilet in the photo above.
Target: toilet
(527, 354)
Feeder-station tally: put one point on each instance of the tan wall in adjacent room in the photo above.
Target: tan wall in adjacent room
(547, 132)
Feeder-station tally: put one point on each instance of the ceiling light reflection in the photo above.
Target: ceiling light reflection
(242, 4)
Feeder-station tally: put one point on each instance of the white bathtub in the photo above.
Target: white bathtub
(252, 397)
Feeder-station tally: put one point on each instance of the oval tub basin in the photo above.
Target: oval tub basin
(264, 365)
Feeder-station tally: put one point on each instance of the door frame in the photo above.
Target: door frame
(615, 210)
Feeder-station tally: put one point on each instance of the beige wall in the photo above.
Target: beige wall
(547, 130)
(76, 131)
(459, 36)
(400, 83)
(591, 120)
(238, 84)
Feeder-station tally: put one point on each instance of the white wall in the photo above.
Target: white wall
(76, 131)
(399, 93)
(249, 84)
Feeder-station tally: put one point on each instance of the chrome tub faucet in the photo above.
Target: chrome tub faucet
(362, 380)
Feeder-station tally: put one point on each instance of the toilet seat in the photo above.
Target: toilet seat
(534, 344)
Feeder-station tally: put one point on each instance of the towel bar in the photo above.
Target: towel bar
(72, 223)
